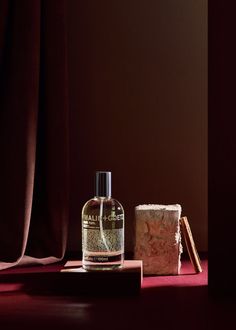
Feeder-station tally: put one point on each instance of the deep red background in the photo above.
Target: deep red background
(138, 106)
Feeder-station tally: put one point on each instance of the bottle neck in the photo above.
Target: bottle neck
(102, 197)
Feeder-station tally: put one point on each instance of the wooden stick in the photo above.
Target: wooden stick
(192, 251)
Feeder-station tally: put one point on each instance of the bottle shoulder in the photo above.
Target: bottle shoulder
(107, 202)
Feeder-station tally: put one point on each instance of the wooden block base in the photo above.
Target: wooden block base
(125, 280)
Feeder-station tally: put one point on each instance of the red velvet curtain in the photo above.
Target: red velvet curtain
(33, 132)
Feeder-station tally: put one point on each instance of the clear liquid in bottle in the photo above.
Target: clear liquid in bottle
(102, 228)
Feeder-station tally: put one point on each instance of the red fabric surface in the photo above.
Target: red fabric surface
(165, 302)
(187, 277)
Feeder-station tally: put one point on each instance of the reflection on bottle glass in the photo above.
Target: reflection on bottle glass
(102, 228)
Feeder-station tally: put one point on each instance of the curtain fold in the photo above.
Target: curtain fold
(33, 132)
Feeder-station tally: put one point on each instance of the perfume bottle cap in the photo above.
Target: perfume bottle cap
(103, 184)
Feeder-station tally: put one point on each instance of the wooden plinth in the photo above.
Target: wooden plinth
(126, 280)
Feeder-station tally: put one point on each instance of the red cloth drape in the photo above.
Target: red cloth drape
(33, 132)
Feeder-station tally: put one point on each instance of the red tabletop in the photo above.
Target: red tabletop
(165, 302)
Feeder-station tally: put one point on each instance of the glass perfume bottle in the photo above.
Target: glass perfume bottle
(102, 228)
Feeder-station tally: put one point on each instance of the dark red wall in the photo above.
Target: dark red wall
(138, 101)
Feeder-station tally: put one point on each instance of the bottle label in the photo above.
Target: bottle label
(108, 222)
(102, 259)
